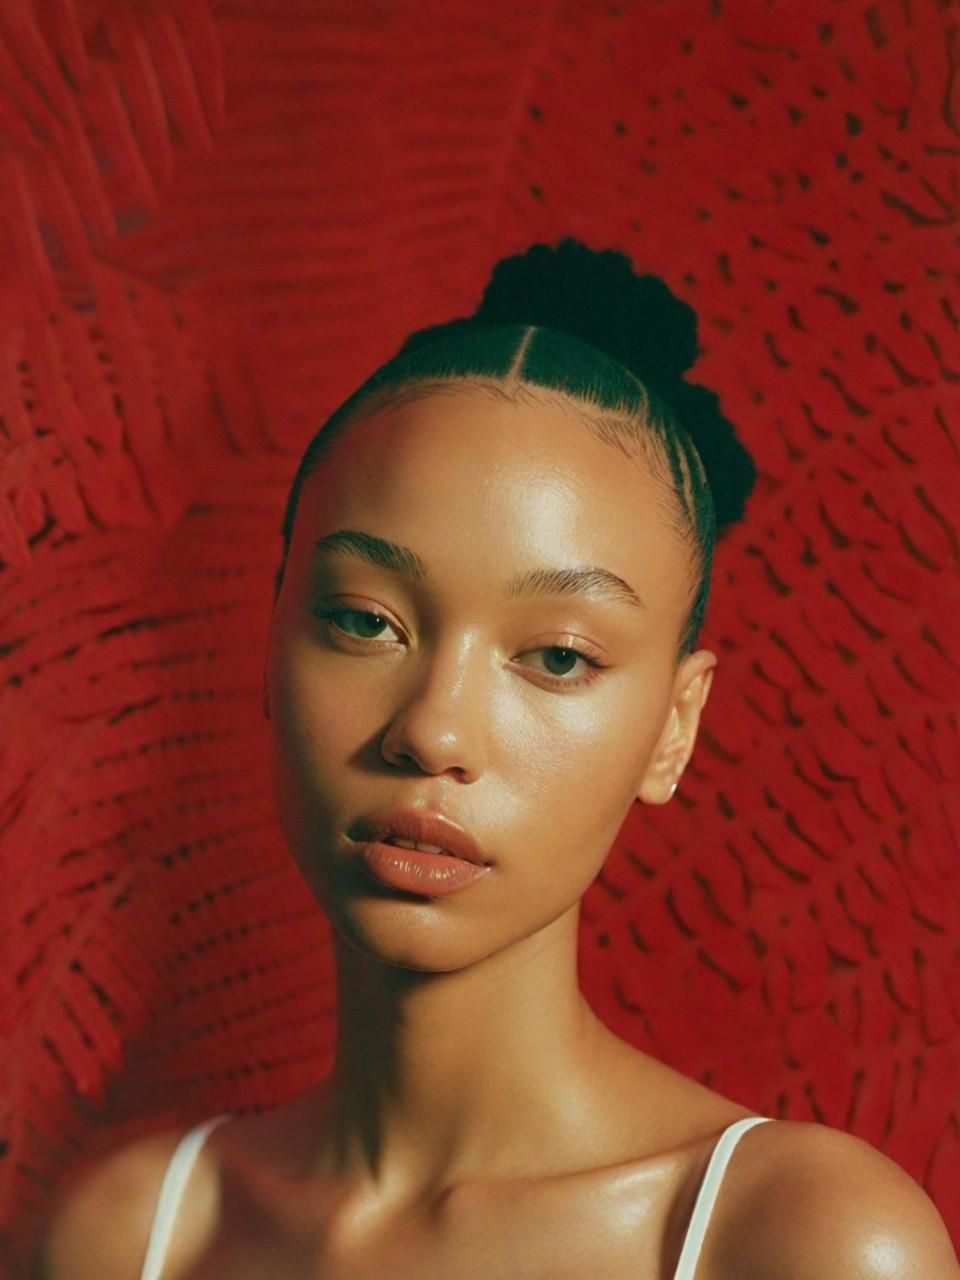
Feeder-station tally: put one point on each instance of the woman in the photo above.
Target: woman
(496, 562)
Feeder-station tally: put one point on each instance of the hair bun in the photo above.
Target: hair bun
(597, 296)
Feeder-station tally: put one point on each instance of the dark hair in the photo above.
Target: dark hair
(615, 345)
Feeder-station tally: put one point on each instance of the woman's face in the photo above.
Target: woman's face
(455, 696)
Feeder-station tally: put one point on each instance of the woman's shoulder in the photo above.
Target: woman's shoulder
(99, 1224)
(814, 1201)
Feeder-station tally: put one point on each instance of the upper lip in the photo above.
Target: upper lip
(422, 826)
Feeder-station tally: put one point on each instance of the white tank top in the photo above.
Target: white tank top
(188, 1148)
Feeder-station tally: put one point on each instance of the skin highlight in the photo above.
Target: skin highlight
(465, 1048)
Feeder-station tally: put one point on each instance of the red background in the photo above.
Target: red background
(215, 220)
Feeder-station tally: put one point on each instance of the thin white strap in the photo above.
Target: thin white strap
(171, 1190)
(707, 1195)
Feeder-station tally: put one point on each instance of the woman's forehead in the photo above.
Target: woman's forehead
(472, 486)
(486, 454)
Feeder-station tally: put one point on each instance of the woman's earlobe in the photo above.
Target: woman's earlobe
(667, 764)
(656, 789)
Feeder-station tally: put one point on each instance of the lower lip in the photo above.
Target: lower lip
(433, 874)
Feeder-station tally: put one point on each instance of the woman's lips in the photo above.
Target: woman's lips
(421, 826)
(431, 874)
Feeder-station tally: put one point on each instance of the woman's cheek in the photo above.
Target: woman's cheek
(312, 709)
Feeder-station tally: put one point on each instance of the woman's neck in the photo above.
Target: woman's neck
(476, 1072)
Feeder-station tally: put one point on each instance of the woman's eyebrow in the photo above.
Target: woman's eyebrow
(587, 580)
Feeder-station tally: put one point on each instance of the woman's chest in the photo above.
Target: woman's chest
(624, 1226)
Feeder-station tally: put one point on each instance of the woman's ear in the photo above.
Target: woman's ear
(690, 692)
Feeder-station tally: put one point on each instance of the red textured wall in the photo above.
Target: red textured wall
(216, 219)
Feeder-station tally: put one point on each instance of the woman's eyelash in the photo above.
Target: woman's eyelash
(328, 613)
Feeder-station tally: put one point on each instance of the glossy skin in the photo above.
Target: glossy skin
(467, 1056)
(466, 1048)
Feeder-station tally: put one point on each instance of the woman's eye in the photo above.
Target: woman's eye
(328, 614)
(564, 656)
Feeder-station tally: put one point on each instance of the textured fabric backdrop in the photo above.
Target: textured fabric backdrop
(216, 218)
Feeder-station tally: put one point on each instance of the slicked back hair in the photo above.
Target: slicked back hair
(531, 364)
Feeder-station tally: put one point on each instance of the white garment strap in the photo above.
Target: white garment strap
(171, 1191)
(707, 1195)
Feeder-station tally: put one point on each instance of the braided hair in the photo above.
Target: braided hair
(579, 323)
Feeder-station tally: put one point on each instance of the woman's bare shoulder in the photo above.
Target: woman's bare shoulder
(814, 1201)
(99, 1224)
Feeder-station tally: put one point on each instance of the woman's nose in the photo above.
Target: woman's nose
(441, 722)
